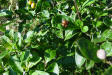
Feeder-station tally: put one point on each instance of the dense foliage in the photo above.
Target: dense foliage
(55, 37)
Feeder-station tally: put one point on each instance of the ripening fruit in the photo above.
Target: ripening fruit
(64, 23)
(101, 54)
(33, 5)
(29, 2)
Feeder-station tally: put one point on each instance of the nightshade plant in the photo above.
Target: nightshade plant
(55, 37)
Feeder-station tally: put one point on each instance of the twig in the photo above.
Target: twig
(78, 13)
(45, 64)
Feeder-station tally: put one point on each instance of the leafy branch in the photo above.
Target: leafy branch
(77, 10)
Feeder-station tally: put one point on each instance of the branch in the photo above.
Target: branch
(78, 13)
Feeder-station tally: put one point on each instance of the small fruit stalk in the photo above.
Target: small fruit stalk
(64, 23)
(101, 54)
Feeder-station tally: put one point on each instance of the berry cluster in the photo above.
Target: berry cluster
(32, 4)
(64, 23)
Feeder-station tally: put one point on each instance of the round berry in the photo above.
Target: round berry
(101, 54)
(64, 23)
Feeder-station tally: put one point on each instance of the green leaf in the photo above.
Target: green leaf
(79, 23)
(69, 34)
(49, 55)
(45, 14)
(41, 66)
(103, 14)
(20, 39)
(42, 33)
(53, 68)
(59, 33)
(37, 72)
(16, 64)
(29, 35)
(107, 46)
(32, 12)
(2, 28)
(6, 42)
(38, 5)
(25, 55)
(107, 21)
(5, 13)
(11, 34)
(3, 54)
(67, 61)
(88, 49)
(108, 71)
(79, 60)
(33, 62)
(34, 59)
(99, 23)
(107, 34)
(89, 64)
(87, 3)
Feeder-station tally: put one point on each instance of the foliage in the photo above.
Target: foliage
(55, 37)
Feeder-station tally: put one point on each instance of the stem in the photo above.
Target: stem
(45, 65)
(78, 13)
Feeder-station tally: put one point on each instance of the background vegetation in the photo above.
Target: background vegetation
(55, 37)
